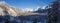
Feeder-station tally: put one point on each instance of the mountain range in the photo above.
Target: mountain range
(6, 9)
(15, 15)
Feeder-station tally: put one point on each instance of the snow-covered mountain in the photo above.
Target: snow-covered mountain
(43, 9)
(6, 9)
(8, 12)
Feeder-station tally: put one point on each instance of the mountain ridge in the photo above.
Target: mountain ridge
(13, 11)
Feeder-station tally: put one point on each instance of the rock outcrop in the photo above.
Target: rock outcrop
(6, 9)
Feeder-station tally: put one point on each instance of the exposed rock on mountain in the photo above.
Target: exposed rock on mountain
(6, 9)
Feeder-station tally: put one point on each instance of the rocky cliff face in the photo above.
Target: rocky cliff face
(6, 9)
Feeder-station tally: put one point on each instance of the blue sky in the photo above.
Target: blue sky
(28, 3)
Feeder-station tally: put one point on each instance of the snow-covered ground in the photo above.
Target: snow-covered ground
(24, 19)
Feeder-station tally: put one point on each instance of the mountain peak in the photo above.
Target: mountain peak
(7, 9)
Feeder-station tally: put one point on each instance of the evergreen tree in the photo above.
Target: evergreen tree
(35, 20)
(53, 13)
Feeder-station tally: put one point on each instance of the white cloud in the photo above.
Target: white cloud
(27, 9)
(31, 9)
